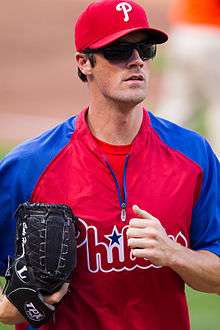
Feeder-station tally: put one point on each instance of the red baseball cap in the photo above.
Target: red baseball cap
(102, 22)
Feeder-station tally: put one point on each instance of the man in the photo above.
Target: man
(144, 189)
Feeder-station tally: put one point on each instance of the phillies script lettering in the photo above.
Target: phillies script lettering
(126, 8)
(109, 252)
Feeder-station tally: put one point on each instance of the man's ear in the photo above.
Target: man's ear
(83, 63)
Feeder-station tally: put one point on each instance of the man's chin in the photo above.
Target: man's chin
(133, 100)
(128, 99)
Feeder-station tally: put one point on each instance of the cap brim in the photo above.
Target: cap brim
(154, 36)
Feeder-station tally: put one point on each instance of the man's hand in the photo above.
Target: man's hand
(148, 239)
(10, 315)
(57, 296)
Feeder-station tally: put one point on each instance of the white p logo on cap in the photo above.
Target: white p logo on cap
(126, 8)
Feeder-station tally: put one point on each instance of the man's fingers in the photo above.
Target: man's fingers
(142, 213)
(150, 231)
(145, 253)
(138, 223)
(141, 243)
(57, 296)
(143, 223)
(136, 232)
(140, 253)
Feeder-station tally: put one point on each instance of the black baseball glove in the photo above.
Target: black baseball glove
(44, 260)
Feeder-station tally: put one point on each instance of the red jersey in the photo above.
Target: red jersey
(169, 171)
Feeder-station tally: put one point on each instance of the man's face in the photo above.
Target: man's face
(123, 81)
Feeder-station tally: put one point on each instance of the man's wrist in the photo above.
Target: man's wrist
(177, 255)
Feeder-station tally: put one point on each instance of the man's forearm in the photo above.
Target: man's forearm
(199, 269)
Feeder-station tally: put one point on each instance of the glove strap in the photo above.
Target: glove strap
(31, 305)
(24, 296)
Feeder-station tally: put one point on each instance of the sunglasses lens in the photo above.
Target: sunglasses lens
(123, 51)
(147, 52)
(117, 53)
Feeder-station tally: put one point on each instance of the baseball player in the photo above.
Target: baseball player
(145, 191)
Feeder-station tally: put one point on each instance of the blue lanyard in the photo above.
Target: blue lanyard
(122, 200)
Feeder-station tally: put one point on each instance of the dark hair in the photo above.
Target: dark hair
(88, 52)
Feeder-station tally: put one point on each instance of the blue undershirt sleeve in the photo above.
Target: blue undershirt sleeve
(20, 171)
(205, 228)
(12, 192)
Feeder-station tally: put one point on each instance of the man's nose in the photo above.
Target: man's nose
(135, 59)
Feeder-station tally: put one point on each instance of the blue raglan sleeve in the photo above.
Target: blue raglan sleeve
(205, 228)
(14, 189)
(20, 171)
(205, 225)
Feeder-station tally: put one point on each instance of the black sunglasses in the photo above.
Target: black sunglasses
(122, 51)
